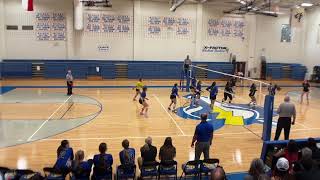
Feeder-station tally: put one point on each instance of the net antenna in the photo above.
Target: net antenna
(245, 82)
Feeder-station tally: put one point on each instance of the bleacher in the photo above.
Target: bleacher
(278, 71)
(82, 69)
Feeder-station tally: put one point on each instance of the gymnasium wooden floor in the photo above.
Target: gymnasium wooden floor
(235, 146)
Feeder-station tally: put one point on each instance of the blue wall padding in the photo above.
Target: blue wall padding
(274, 70)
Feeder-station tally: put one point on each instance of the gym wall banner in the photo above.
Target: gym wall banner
(215, 49)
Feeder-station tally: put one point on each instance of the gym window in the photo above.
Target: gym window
(27, 27)
(285, 33)
(12, 27)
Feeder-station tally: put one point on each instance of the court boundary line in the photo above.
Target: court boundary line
(162, 136)
(172, 119)
(30, 138)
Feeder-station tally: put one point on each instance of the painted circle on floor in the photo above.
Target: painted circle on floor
(30, 115)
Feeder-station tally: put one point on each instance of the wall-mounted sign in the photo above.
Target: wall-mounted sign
(215, 49)
(226, 28)
(103, 48)
(168, 27)
(113, 25)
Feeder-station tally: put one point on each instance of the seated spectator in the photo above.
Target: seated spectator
(291, 153)
(281, 172)
(167, 151)
(307, 168)
(102, 163)
(306, 162)
(218, 174)
(312, 144)
(264, 177)
(148, 152)
(81, 169)
(64, 158)
(256, 169)
(127, 155)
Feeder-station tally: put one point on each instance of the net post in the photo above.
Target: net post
(268, 114)
(260, 91)
(188, 80)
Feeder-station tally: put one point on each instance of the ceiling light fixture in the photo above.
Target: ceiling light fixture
(306, 4)
(242, 2)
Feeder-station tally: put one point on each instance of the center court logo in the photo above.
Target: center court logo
(223, 114)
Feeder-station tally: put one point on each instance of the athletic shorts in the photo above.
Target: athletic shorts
(172, 96)
(137, 90)
(141, 101)
(305, 90)
(213, 97)
(252, 94)
(186, 66)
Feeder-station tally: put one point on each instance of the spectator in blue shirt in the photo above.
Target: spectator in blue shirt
(202, 138)
(102, 163)
(127, 158)
(64, 158)
(127, 155)
(81, 169)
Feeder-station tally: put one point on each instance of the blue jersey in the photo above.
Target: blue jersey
(107, 158)
(64, 159)
(143, 95)
(102, 161)
(213, 90)
(130, 158)
(199, 87)
(194, 82)
(83, 170)
(174, 91)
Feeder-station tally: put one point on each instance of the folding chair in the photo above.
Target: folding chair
(127, 171)
(191, 168)
(208, 165)
(51, 174)
(102, 173)
(17, 174)
(149, 169)
(168, 168)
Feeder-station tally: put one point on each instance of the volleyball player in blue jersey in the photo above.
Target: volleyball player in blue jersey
(273, 88)
(194, 82)
(173, 97)
(198, 92)
(213, 89)
(228, 92)
(193, 96)
(65, 157)
(143, 102)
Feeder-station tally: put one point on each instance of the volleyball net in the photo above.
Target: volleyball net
(240, 84)
(62, 111)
